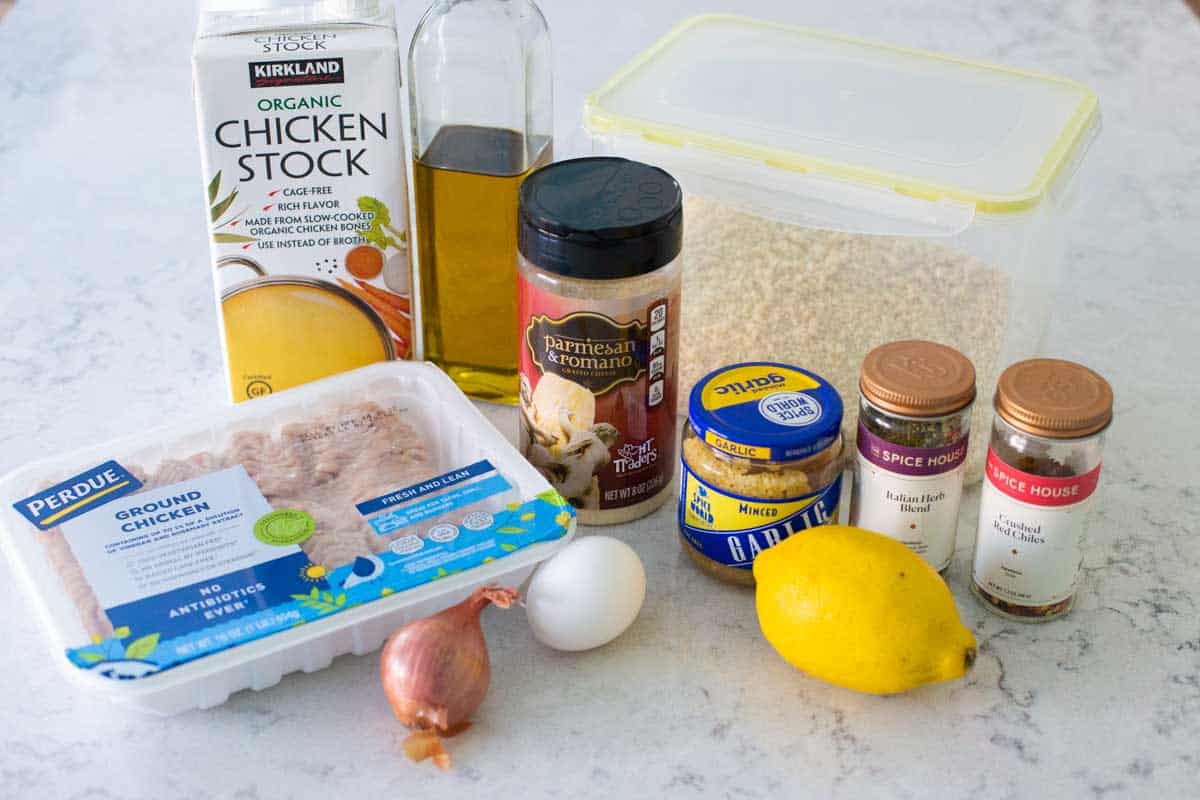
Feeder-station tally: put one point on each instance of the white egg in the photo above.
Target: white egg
(587, 595)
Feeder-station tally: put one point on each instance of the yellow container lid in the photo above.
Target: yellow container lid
(925, 125)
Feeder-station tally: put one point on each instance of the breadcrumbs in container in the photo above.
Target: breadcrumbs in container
(933, 292)
(900, 195)
(761, 461)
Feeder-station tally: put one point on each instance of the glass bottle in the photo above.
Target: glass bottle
(761, 460)
(481, 105)
(914, 419)
(1043, 466)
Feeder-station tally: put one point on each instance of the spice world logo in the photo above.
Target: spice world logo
(296, 72)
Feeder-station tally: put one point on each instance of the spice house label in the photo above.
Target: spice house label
(589, 349)
(1030, 533)
(1040, 490)
(910, 494)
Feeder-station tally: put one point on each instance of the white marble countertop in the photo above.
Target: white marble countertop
(107, 324)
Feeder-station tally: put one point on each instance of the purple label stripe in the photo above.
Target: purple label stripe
(910, 460)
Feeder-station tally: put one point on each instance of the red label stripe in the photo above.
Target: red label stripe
(1038, 490)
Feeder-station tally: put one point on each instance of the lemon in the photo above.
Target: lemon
(860, 610)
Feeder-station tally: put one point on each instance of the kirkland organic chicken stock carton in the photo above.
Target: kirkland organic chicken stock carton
(301, 142)
(185, 563)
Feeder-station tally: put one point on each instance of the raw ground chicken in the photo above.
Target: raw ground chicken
(324, 466)
(759, 290)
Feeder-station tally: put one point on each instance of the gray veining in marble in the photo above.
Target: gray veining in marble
(107, 324)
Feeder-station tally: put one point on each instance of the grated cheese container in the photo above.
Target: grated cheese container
(179, 565)
(840, 194)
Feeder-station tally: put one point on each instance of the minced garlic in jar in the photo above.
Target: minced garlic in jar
(761, 460)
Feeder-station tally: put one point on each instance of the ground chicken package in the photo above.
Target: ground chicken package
(187, 563)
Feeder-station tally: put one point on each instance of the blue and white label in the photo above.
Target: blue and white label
(733, 529)
(195, 619)
(417, 490)
(78, 495)
(182, 571)
(215, 600)
(182, 557)
(434, 497)
(794, 409)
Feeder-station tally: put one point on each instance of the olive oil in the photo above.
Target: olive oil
(467, 184)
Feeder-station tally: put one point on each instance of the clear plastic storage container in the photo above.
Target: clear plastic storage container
(841, 194)
(183, 564)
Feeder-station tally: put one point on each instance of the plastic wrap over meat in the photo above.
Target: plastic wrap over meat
(324, 466)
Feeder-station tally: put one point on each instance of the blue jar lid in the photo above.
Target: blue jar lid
(765, 411)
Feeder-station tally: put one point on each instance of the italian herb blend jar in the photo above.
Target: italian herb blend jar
(1043, 465)
(761, 461)
(914, 417)
(598, 304)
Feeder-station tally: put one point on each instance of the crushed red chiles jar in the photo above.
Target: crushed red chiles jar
(1043, 467)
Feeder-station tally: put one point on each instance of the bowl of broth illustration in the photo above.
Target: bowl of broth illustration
(285, 330)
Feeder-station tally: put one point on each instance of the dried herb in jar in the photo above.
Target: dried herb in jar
(915, 401)
(918, 433)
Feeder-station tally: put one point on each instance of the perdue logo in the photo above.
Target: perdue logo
(78, 495)
(296, 72)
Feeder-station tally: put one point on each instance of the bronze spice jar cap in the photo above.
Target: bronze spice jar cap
(1054, 398)
(915, 378)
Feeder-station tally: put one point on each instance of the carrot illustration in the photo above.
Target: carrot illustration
(396, 301)
(396, 322)
(398, 325)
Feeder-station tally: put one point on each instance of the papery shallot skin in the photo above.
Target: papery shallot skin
(435, 671)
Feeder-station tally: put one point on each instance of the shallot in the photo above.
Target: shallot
(435, 672)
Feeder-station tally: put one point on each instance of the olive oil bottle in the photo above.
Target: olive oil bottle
(481, 100)
(466, 186)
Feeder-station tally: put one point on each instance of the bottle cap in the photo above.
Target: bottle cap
(1054, 398)
(917, 379)
(600, 218)
(765, 411)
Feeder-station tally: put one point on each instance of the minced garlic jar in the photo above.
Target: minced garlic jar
(761, 460)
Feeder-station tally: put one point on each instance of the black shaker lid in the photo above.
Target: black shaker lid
(600, 218)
